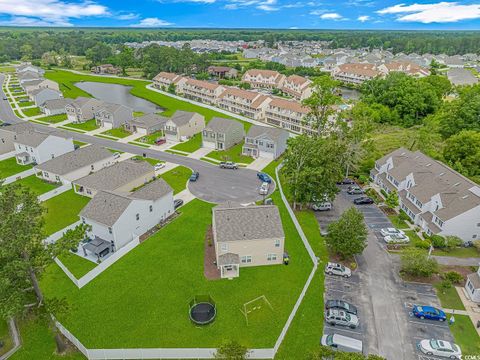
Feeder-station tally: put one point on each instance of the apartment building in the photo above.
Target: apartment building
(164, 79)
(202, 91)
(244, 102)
(287, 114)
(436, 198)
(297, 86)
(263, 78)
(406, 67)
(355, 73)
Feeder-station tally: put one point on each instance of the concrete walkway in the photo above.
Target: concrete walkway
(18, 176)
(129, 138)
(48, 195)
(449, 260)
(200, 153)
(15, 337)
(472, 309)
(259, 164)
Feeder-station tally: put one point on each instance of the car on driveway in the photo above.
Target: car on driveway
(337, 269)
(159, 166)
(428, 312)
(177, 203)
(346, 181)
(116, 155)
(5, 98)
(354, 190)
(264, 177)
(342, 343)
(341, 305)
(228, 165)
(364, 200)
(342, 318)
(398, 238)
(160, 141)
(440, 348)
(194, 176)
(322, 206)
(264, 188)
(391, 231)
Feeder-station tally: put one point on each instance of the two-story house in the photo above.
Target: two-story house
(436, 198)
(246, 236)
(288, 114)
(202, 91)
(265, 142)
(297, 86)
(39, 96)
(355, 73)
(112, 116)
(247, 103)
(33, 147)
(269, 79)
(82, 109)
(8, 135)
(183, 125)
(163, 80)
(146, 124)
(222, 134)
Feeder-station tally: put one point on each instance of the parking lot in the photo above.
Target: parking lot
(384, 301)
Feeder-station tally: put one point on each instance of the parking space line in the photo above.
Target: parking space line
(327, 326)
(428, 324)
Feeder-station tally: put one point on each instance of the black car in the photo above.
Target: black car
(346, 181)
(177, 203)
(364, 200)
(194, 176)
(341, 305)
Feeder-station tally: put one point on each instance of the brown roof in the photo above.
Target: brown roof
(296, 79)
(165, 75)
(406, 67)
(219, 68)
(244, 94)
(361, 69)
(291, 105)
(202, 84)
(264, 73)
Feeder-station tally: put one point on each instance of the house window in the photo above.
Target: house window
(151, 208)
(137, 217)
(57, 178)
(247, 259)
(271, 257)
(52, 155)
(92, 167)
(277, 243)
(45, 174)
(224, 247)
(474, 236)
(110, 230)
(478, 224)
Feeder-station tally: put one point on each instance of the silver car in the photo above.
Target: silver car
(340, 317)
(337, 269)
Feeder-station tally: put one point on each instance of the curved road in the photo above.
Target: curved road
(213, 185)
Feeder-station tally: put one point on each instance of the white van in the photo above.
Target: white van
(264, 188)
(342, 343)
(324, 206)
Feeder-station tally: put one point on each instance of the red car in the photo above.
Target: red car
(160, 141)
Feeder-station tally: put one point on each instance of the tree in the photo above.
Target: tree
(327, 353)
(434, 67)
(99, 53)
(462, 152)
(348, 235)
(125, 59)
(416, 262)
(172, 89)
(392, 199)
(231, 350)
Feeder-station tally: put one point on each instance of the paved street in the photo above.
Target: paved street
(214, 184)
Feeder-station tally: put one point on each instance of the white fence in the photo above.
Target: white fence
(18, 176)
(54, 192)
(55, 236)
(7, 155)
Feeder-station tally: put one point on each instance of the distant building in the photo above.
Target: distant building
(460, 77)
(202, 91)
(223, 72)
(265, 142)
(287, 114)
(263, 78)
(163, 80)
(243, 102)
(297, 86)
(355, 73)
(106, 69)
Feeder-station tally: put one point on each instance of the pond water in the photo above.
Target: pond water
(349, 94)
(118, 94)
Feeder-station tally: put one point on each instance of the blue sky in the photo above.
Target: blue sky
(314, 14)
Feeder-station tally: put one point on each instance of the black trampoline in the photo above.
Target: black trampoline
(202, 310)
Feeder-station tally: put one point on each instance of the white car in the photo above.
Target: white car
(159, 166)
(325, 206)
(391, 231)
(400, 238)
(116, 155)
(440, 348)
(340, 317)
(264, 188)
(337, 269)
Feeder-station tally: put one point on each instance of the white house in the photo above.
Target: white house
(118, 218)
(39, 96)
(472, 286)
(33, 147)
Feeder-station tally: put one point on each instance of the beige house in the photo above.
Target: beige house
(246, 236)
(406, 67)
(82, 109)
(29, 86)
(106, 69)
(297, 86)
(263, 78)
(202, 91)
(183, 125)
(247, 103)
(287, 114)
(223, 72)
(164, 79)
(355, 73)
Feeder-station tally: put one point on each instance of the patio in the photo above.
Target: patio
(96, 249)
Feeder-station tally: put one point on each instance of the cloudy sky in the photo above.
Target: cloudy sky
(305, 14)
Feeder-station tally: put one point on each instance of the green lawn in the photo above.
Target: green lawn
(77, 265)
(137, 144)
(88, 125)
(149, 160)
(465, 335)
(18, 113)
(5, 69)
(79, 143)
(5, 337)
(449, 298)
(150, 139)
(25, 104)
(414, 238)
(32, 112)
(177, 178)
(63, 210)
(191, 145)
(9, 167)
(38, 186)
(232, 154)
(460, 252)
(118, 132)
(54, 118)
(399, 224)
(138, 113)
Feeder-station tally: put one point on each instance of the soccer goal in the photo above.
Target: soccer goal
(255, 305)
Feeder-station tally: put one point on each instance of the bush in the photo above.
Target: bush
(453, 277)
(362, 179)
(438, 242)
(453, 242)
(445, 285)
(417, 263)
(384, 193)
(425, 245)
(476, 243)
(403, 216)
(425, 235)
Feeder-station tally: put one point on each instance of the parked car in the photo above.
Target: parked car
(396, 238)
(342, 343)
(324, 206)
(354, 190)
(160, 141)
(116, 155)
(23, 100)
(159, 166)
(440, 348)
(428, 312)
(346, 181)
(264, 177)
(337, 269)
(194, 176)
(228, 165)
(391, 231)
(342, 318)
(5, 98)
(4, 124)
(264, 188)
(341, 305)
(364, 200)
(177, 203)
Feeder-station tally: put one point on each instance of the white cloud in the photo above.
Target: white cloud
(152, 22)
(48, 12)
(265, 5)
(331, 16)
(442, 12)
(363, 18)
(318, 12)
(128, 16)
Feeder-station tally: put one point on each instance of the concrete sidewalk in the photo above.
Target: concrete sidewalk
(259, 164)
(450, 260)
(471, 308)
(200, 153)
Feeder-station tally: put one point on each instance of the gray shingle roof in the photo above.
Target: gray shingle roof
(221, 125)
(56, 103)
(18, 128)
(247, 223)
(152, 191)
(74, 160)
(181, 118)
(31, 138)
(110, 108)
(149, 120)
(229, 259)
(106, 208)
(271, 132)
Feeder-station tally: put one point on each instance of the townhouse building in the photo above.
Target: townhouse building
(164, 79)
(355, 73)
(202, 91)
(248, 103)
(287, 114)
(263, 78)
(406, 67)
(297, 86)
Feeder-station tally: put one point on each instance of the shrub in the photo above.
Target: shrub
(476, 243)
(403, 216)
(362, 179)
(417, 263)
(453, 277)
(445, 285)
(438, 241)
(384, 193)
(453, 242)
(425, 235)
(425, 245)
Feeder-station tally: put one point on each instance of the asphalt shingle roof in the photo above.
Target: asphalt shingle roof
(222, 125)
(271, 132)
(31, 138)
(106, 207)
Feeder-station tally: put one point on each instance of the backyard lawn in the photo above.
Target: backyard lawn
(25, 104)
(150, 287)
(397, 222)
(177, 178)
(150, 139)
(465, 335)
(77, 265)
(191, 145)
(63, 210)
(9, 167)
(461, 252)
(88, 125)
(233, 154)
(449, 298)
(32, 112)
(5, 337)
(38, 186)
(54, 118)
(118, 132)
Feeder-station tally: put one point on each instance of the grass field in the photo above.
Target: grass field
(38, 186)
(88, 125)
(54, 118)
(150, 139)
(191, 145)
(461, 252)
(5, 337)
(233, 154)
(449, 298)
(396, 222)
(118, 132)
(25, 104)
(77, 265)
(149, 160)
(177, 178)
(9, 167)
(32, 112)
(465, 335)
(63, 210)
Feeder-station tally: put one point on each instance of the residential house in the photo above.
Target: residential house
(115, 219)
(29, 86)
(288, 114)
(106, 69)
(146, 124)
(28, 76)
(265, 142)
(123, 177)
(113, 116)
(461, 76)
(406, 67)
(82, 109)
(8, 135)
(20, 69)
(39, 96)
(297, 86)
(76, 164)
(355, 73)
(183, 125)
(247, 103)
(436, 198)
(33, 147)
(246, 236)
(163, 80)
(455, 61)
(222, 134)
(202, 91)
(472, 286)
(55, 107)
(223, 72)
(263, 78)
